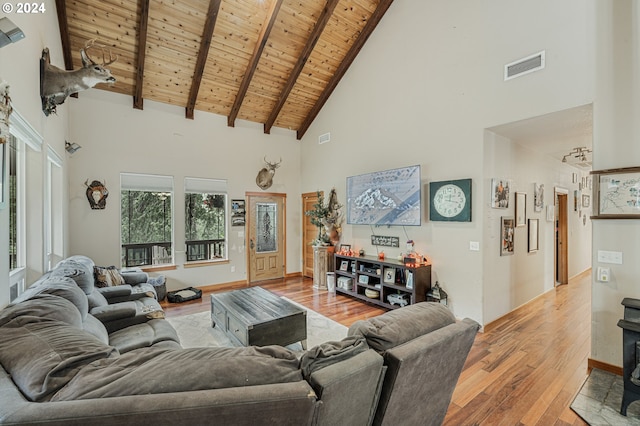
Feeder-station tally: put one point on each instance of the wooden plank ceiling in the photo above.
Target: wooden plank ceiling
(274, 62)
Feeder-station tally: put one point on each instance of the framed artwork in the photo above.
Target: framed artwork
(499, 193)
(550, 213)
(389, 275)
(586, 200)
(363, 279)
(4, 174)
(616, 193)
(538, 197)
(344, 265)
(521, 208)
(507, 228)
(533, 235)
(450, 201)
(237, 213)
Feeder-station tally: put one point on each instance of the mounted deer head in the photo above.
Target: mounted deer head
(56, 84)
(265, 176)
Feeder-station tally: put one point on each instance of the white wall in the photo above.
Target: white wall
(422, 91)
(19, 65)
(116, 138)
(616, 143)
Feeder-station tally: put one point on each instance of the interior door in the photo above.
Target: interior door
(561, 239)
(309, 233)
(266, 218)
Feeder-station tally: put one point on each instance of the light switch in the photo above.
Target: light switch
(614, 257)
(474, 246)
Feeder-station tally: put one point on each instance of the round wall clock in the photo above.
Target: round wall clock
(450, 200)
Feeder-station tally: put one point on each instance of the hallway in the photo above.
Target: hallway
(527, 368)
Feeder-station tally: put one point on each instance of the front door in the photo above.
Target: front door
(266, 243)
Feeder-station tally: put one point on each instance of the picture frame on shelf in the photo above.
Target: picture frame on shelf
(521, 209)
(507, 231)
(345, 248)
(500, 193)
(344, 265)
(409, 280)
(363, 279)
(389, 275)
(534, 233)
(616, 193)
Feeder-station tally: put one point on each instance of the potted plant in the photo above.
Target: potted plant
(318, 216)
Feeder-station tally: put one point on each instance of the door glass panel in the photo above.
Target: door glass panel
(266, 227)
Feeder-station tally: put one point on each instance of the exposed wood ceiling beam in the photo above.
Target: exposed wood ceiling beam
(302, 60)
(61, 10)
(344, 65)
(142, 51)
(253, 62)
(203, 53)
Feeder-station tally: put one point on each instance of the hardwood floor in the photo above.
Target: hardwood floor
(525, 370)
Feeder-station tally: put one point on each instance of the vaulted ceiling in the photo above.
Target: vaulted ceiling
(274, 62)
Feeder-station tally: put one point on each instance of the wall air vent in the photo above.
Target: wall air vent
(324, 138)
(524, 66)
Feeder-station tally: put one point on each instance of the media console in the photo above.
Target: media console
(373, 280)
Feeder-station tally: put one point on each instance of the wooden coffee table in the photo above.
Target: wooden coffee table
(256, 317)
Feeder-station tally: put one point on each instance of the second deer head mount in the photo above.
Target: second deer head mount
(265, 176)
(57, 84)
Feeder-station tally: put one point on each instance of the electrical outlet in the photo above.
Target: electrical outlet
(603, 274)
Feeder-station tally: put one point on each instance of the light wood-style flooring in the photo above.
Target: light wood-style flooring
(524, 370)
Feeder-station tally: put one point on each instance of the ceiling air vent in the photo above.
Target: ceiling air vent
(524, 66)
(324, 138)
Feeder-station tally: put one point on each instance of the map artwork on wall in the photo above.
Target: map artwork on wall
(620, 194)
(390, 197)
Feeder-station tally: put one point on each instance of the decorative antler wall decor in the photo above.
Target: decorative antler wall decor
(97, 194)
(5, 110)
(57, 84)
(265, 176)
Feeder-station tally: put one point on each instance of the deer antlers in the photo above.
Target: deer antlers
(272, 166)
(90, 44)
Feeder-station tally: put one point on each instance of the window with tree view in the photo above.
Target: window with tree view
(146, 219)
(205, 206)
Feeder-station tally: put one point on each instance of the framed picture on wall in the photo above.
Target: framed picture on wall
(499, 193)
(507, 228)
(533, 235)
(521, 208)
(616, 193)
(538, 197)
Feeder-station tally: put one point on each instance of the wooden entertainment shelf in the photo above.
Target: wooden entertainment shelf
(387, 277)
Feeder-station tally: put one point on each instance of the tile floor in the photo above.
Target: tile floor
(598, 401)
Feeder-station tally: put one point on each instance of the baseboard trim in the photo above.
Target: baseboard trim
(594, 363)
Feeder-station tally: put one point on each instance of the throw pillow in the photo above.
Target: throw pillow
(107, 276)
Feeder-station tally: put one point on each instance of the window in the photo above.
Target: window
(24, 148)
(146, 219)
(205, 210)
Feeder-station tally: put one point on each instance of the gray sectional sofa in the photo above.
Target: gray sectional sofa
(69, 357)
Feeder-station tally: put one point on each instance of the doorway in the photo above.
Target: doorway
(561, 246)
(266, 236)
(309, 233)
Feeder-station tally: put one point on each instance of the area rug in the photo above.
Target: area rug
(599, 399)
(195, 330)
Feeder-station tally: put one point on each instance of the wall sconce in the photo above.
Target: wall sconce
(9, 32)
(71, 147)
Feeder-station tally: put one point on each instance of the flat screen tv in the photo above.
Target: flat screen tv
(389, 197)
